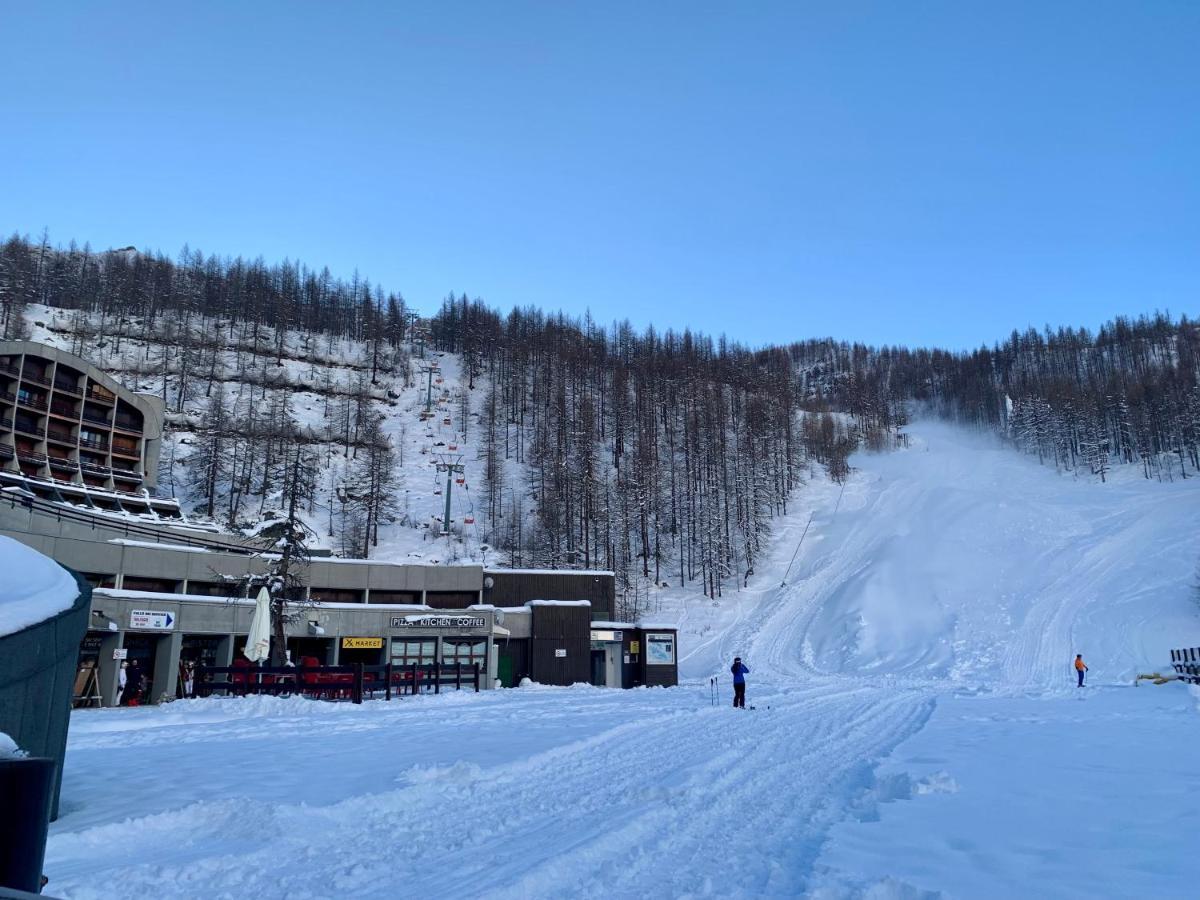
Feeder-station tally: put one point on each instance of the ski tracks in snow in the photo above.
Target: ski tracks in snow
(685, 802)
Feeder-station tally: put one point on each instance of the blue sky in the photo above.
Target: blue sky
(899, 172)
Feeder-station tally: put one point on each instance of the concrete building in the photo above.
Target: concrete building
(64, 421)
(78, 457)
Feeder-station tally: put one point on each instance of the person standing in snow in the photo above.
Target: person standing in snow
(1080, 668)
(740, 672)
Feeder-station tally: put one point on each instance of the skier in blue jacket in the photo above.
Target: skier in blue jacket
(740, 672)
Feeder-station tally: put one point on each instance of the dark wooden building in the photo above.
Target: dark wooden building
(516, 587)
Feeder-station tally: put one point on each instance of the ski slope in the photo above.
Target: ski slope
(917, 731)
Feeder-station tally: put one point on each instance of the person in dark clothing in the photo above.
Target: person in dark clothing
(740, 672)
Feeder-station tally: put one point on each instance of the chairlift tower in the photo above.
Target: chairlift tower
(429, 372)
(451, 464)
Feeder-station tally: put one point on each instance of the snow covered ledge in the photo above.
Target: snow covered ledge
(43, 616)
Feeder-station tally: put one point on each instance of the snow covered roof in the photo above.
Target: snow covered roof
(494, 571)
(157, 546)
(43, 589)
(122, 594)
(656, 626)
(617, 626)
(558, 603)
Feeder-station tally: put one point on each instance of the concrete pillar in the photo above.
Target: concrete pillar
(336, 653)
(225, 651)
(109, 667)
(166, 666)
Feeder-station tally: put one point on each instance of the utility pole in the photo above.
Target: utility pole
(451, 465)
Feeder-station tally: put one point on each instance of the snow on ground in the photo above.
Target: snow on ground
(34, 588)
(917, 732)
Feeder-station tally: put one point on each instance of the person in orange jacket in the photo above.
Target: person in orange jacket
(1080, 668)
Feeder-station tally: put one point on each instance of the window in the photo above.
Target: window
(409, 650)
(467, 652)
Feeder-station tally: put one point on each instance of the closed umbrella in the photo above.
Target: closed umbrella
(258, 642)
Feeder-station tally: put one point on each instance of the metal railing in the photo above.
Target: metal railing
(36, 379)
(73, 389)
(30, 429)
(351, 682)
(99, 420)
(64, 513)
(1186, 664)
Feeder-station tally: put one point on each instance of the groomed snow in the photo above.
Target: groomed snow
(33, 588)
(917, 731)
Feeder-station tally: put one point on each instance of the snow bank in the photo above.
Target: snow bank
(9, 748)
(34, 588)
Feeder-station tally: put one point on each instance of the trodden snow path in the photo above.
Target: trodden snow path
(951, 573)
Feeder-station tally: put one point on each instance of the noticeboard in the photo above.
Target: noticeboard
(660, 649)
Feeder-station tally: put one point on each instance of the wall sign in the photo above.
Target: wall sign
(635, 647)
(660, 649)
(362, 643)
(560, 653)
(120, 654)
(605, 635)
(153, 619)
(439, 621)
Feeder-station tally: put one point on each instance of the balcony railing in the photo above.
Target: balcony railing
(63, 437)
(126, 425)
(126, 474)
(64, 410)
(26, 428)
(5, 395)
(128, 452)
(94, 443)
(99, 420)
(9, 368)
(5, 424)
(97, 397)
(61, 462)
(30, 456)
(6, 451)
(35, 378)
(31, 401)
(64, 387)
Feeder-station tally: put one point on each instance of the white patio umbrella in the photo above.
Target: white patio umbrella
(258, 642)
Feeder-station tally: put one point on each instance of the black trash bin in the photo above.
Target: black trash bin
(26, 793)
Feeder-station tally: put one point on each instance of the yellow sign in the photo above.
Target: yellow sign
(353, 643)
(634, 647)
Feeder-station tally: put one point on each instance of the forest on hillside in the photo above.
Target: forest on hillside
(663, 456)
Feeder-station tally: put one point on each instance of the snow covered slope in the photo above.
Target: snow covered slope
(958, 561)
(916, 734)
